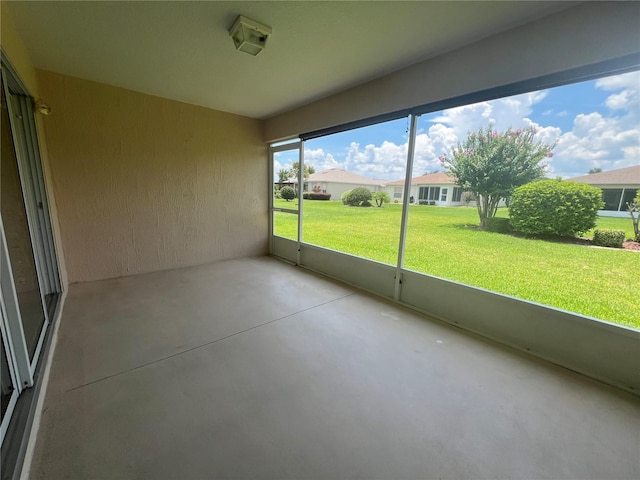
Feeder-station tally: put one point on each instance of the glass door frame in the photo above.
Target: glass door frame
(11, 364)
(23, 366)
(287, 147)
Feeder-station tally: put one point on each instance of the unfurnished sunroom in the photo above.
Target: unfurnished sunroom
(157, 324)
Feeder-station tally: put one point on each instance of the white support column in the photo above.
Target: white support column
(405, 204)
(300, 189)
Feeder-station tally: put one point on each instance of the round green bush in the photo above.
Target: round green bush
(608, 238)
(288, 193)
(358, 197)
(555, 207)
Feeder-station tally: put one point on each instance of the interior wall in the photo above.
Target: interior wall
(144, 183)
(16, 51)
(583, 35)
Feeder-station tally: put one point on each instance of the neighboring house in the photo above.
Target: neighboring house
(619, 187)
(435, 188)
(337, 181)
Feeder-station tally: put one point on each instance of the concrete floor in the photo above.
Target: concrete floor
(256, 369)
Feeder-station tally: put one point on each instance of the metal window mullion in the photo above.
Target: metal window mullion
(17, 387)
(621, 200)
(272, 215)
(25, 174)
(29, 174)
(15, 333)
(46, 229)
(300, 188)
(405, 205)
(8, 349)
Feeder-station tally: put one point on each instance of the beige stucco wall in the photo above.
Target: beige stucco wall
(16, 53)
(144, 183)
(583, 35)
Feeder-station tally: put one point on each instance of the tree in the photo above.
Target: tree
(381, 197)
(295, 169)
(594, 170)
(491, 164)
(283, 176)
(287, 193)
(634, 210)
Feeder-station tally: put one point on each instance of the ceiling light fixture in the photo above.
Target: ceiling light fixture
(249, 36)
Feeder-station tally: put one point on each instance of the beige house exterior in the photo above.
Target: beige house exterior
(619, 188)
(336, 181)
(432, 189)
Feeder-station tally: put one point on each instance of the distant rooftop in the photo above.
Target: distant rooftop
(620, 176)
(338, 175)
(438, 177)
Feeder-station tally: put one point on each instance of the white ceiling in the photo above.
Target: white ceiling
(181, 50)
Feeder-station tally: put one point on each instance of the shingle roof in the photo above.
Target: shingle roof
(337, 175)
(621, 176)
(431, 178)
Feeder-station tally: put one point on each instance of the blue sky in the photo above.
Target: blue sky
(595, 124)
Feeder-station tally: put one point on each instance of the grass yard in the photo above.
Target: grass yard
(597, 282)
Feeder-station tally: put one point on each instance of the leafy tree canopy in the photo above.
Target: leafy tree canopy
(295, 169)
(491, 164)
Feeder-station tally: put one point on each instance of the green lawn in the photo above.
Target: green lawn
(598, 282)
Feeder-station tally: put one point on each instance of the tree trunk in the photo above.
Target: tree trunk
(482, 201)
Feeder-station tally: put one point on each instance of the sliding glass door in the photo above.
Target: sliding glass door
(19, 241)
(30, 285)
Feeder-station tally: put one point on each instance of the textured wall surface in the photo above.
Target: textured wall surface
(16, 52)
(144, 183)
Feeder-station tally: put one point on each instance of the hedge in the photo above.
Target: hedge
(608, 238)
(555, 207)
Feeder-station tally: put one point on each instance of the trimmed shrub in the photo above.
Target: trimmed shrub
(358, 197)
(288, 193)
(318, 196)
(608, 238)
(555, 207)
(498, 225)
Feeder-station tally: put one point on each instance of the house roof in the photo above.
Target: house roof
(431, 178)
(621, 176)
(182, 50)
(338, 175)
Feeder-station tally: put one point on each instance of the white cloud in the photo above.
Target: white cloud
(503, 113)
(320, 160)
(617, 82)
(622, 100)
(606, 139)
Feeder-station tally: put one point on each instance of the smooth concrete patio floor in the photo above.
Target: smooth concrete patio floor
(256, 369)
